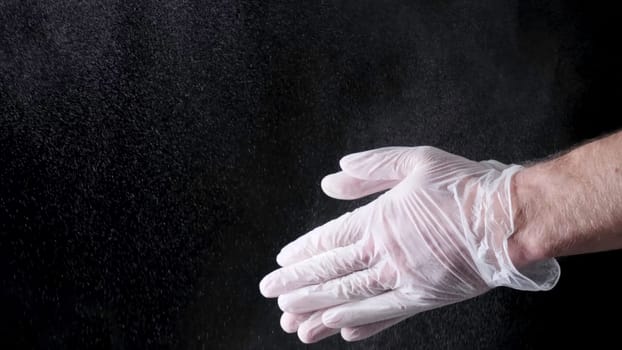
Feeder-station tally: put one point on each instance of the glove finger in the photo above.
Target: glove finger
(313, 330)
(343, 186)
(396, 163)
(388, 163)
(340, 232)
(318, 269)
(290, 322)
(385, 306)
(355, 286)
(366, 331)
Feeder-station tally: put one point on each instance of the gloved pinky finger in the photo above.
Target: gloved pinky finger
(290, 322)
(366, 331)
(313, 330)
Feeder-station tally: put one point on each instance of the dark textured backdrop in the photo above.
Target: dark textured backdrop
(154, 156)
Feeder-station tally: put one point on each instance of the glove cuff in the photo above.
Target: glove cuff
(540, 276)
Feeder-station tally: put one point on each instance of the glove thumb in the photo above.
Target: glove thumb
(369, 172)
(383, 164)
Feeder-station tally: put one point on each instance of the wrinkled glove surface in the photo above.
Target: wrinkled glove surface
(438, 236)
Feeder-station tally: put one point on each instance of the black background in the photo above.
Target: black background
(155, 156)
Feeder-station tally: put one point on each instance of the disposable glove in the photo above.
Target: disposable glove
(439, 236)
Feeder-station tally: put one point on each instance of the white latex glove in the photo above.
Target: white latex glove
(439, 236)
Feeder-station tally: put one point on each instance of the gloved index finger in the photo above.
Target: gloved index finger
(318, 269)
(340, 232)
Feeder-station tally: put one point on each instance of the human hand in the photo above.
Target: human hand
(437, 237)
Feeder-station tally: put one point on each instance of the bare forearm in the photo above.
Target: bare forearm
(569, 205)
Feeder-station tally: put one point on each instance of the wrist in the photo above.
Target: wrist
(525, 263)
(527, 245)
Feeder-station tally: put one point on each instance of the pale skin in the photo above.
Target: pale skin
(569, 205)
